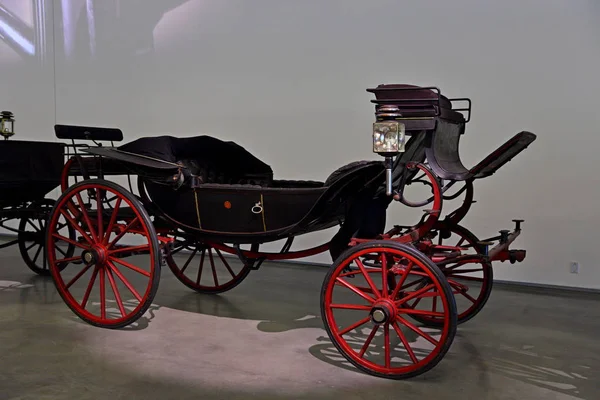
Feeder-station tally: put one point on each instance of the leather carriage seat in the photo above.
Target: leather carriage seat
(415, 101)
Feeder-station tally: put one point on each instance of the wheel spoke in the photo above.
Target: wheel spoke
(368, 341)
(411, 296)
(351, 307)
(70, 241)
(201, 267)
(68, 260)
(384, 277)
(355, 290)
(102, 293)
(402, 280)
(130, 266)
(86, 217)
(386, 339)
(75, 225)
(64, 253)
(111, 223)
(28, 221)
(415, 329)
(367, 277)
(354, 326)
(125, 281)
(187, 263)
(461, 290)
(123, 232)
(405, 343)
(212, 267)
(412, 311)
(225, 263)
(99, 216)
(86, 296)
(37, 254)
(79, 275)
(115, 290)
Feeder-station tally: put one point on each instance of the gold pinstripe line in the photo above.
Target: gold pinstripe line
(197, 209)
(262, 201)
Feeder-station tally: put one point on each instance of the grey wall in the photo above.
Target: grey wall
(287, 79)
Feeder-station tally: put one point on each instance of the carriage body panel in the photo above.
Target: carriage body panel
(28, 170)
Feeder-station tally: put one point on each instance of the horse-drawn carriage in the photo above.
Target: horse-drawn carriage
(203, 197)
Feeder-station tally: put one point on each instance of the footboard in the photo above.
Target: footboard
(502, 155)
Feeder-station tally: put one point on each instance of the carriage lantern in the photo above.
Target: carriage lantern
(389, 138)
(7, 124)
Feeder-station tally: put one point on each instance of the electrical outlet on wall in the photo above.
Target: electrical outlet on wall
(574, 267)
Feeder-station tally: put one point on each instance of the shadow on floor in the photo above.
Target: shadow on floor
(524, 345)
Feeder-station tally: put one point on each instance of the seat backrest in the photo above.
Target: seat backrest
(417, 107)
(442, 151)
(74, 132)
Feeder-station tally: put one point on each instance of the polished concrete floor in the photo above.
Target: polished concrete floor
(265, 340)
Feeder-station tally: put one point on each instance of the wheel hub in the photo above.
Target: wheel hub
(382, 312)
(95, 255)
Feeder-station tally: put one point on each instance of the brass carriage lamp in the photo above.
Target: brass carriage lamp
(389, 138)
(7, 124)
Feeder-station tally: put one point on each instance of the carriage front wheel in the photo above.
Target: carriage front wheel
(365, 308)
(113, 276)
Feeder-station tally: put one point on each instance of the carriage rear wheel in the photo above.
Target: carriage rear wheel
(104, 289)
(204, 268)
(32, 236)
(368, 322)
(471, 280)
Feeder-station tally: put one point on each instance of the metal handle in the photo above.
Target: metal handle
(257, 208)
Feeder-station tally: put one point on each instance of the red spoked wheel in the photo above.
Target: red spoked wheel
(471, 279)
(363, 306)
(104, 289)
(204, 268)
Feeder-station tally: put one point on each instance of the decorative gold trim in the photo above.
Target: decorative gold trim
(197, 209)
(263, 212)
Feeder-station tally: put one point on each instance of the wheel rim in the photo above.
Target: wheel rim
(379, 316)
(203, 268)
(470, 279)
(104, 289)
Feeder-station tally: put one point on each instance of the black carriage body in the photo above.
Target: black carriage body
(28, 170)
(217, 189)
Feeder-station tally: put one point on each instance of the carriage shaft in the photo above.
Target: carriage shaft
(500, 252)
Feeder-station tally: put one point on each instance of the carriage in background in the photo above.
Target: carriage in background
(29, 172)
(389, 302)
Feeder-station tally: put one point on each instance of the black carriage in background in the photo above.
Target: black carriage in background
(390, 301)
(29, 172)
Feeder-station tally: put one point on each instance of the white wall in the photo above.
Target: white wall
(287, 80)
